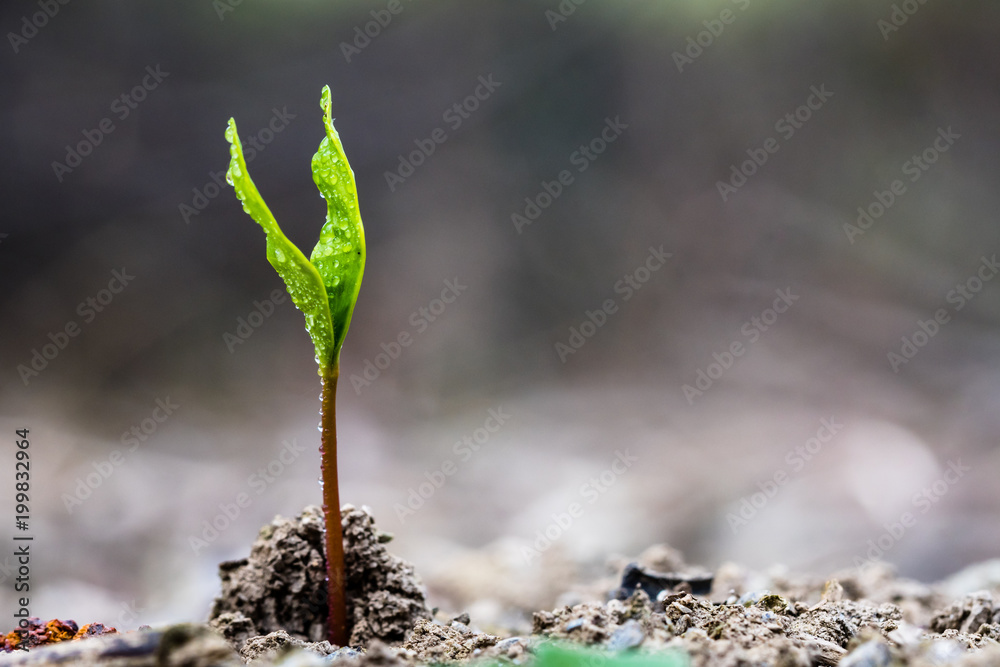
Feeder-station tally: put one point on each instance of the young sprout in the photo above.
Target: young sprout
(325, 288)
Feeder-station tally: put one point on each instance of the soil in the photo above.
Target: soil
(272, 611)
(282, 584)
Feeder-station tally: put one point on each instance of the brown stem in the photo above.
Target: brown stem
(336, 579)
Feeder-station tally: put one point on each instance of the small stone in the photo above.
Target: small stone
(344, 652)
(629, 635)
(943, 651)
(505, 645)
(773, 603)
(752, 597)
(298, 658)
(461, 627)
(832, 591)
(872, 653)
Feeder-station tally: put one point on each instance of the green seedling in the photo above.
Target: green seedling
(325, 288)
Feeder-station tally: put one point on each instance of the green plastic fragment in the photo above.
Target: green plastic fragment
(560, 655)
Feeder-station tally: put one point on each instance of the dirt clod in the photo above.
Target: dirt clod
(968, 615)
(862, 618)
(282, 584)
(385, 598)
(436, 642)
(234, 627)
(266, 648)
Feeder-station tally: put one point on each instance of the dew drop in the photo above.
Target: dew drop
(278, 255)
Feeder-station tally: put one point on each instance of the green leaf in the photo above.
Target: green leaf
(339, 256)
(324, 287)
(302, 280)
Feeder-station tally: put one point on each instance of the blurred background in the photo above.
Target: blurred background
(687, 339)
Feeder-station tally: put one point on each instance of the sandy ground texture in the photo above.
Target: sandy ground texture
(272, 605)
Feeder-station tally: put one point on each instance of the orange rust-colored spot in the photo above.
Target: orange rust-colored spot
(39, 634)
(94, 630)
(11, 641)
(59, 631)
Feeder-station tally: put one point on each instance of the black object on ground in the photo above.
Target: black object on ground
(651, 583)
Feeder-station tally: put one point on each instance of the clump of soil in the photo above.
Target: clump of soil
(272, 611)
(733, 617)
(436, 642)
(282, 586)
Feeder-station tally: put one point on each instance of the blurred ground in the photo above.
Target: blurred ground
(911, 435)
